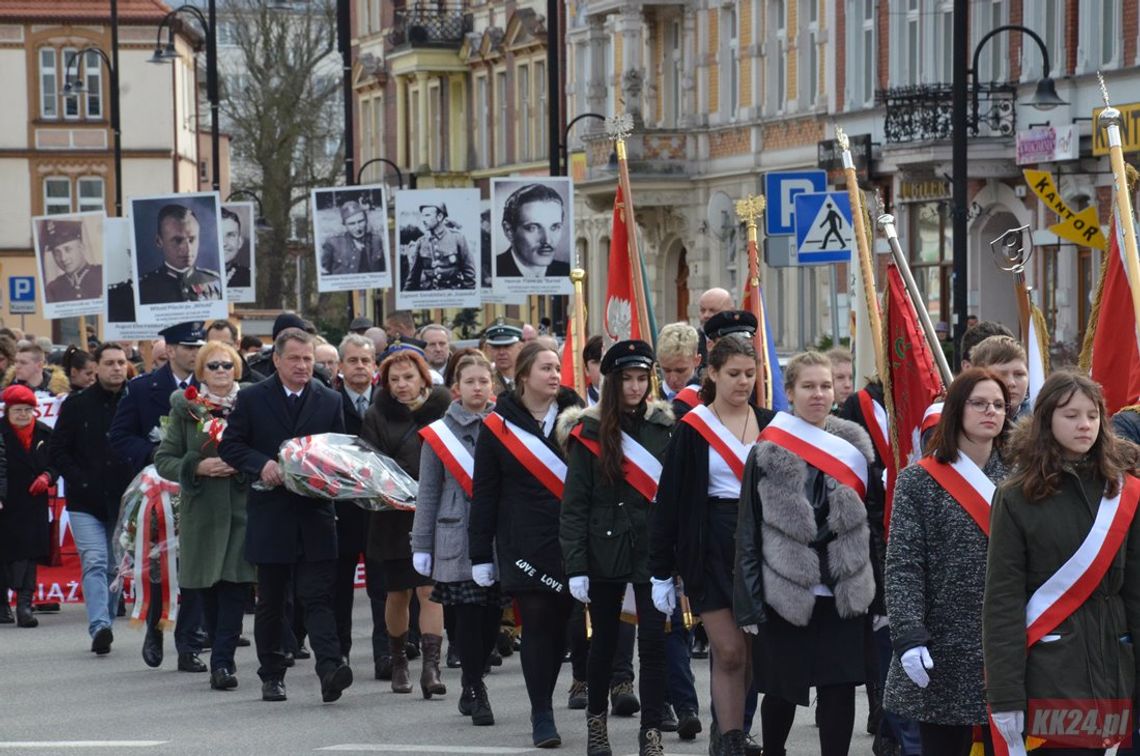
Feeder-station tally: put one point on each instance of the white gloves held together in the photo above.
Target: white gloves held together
(915, 662)
(664, 595)
(580, 588)
(421, 562)
(483, 574)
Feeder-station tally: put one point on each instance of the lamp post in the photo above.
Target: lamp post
(1044, 98)
(565, 146)
(77, 86)
(394, 167)
(259, 223)
(164, 54)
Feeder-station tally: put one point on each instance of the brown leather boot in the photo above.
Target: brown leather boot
(400, 681)
(429, 677)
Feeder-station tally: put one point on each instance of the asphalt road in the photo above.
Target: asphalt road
(58, 697)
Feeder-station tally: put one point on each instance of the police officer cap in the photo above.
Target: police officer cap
(57, 232)
(441, 207)
(633, 353)
(349, 209)
(360, 325)
(186, 334)
(404, 344)
(502, 333)
(731, 321)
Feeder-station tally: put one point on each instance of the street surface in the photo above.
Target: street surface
(58, 697)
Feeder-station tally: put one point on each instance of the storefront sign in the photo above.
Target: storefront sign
(1129, 129)
(924, 190)
(831, 155)
(1081, 228)
(1047, 144)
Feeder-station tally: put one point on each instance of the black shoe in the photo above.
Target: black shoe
(649, 743)
(668, 719)
(700, 649)
(25, 618)
(751, 747)
(504, 645)
(207, 642)
(223, 679)
(496, 659)
(623, 700)
(121, 609)
(242, 641)
(289, 660)
(733, 743)
(152, 648)
(579, 695)
(411, 650)
(481, 714)
(688, 724)
(453, 657)
(335, 683)
(47, 606)
(543, 732)
(189, 662)
(101, 641)
(6, 617)
(302, 653)
(384, 668)
(273, 690)
(467, 701)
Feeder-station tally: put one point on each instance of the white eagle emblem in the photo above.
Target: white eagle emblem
(619, 319)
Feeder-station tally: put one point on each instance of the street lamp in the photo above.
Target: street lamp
(394, 167)
(167, 52)
(77, 85)
(259, 223)
(964, 125)
(565, 147)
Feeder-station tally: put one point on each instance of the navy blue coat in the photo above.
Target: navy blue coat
(147, 400)
(282, 527)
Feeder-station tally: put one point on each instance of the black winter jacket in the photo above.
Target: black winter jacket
(24, 523)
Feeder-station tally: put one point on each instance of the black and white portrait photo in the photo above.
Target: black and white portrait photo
(438, 233)
(350, 238)
(239, 238)
(119, 322)
(178, 257)
(532, 227)
(69, 258)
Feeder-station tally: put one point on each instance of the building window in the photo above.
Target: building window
(1109, 33)
(674, 73)
(523, 112)
(482, 107)
(611, 84)
(93, 81)
(504, 119)
(435, 118)
(91, 194)
(782, 56)
(1050, 24)
(913, 36)
(988, 16)
(57, 195)
(49, 84)
(944, 38)
(860, 83)
(415, 132)
(730, 62)
(540, 113)
(59, 66)
(931, 255)
(809, 53)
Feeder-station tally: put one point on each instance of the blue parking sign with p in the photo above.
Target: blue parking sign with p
(21, 295)
(780, 190)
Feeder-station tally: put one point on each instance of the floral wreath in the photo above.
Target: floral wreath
(200, 410)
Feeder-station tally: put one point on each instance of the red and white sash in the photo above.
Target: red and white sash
(690, 396)
(931, 417)
(1069, 587)
(966, 484)
(824, 451)
(531, 452)
(875, 416)
(452, 453)
(642, 470)
(719, 437)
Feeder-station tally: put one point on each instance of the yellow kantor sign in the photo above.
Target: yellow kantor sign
(1081, 228)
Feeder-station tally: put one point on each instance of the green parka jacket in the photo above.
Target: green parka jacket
(604, 528)
(1090, 654)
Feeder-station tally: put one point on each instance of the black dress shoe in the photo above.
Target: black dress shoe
(453, 657)
(152, 648)
(384, 668)
(668, 720)
(189, 662)
(289, 660)
(242, 641)
(335, 682)
(273, 690)
(688, 724)
(6, 617)
(302, 653)
(223, 679)
(101, 641)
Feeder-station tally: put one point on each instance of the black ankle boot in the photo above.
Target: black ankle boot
(732, 743)
(481, 714)
(24, 616)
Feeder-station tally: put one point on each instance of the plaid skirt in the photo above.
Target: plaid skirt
(469, 592)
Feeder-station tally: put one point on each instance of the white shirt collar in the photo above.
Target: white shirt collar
(354, 396)
(525, 268)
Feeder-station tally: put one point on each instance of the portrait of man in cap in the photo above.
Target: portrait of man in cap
(441, 257)
(179, 278)
(79, 278)
(357, 249)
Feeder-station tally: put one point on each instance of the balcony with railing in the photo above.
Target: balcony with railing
(429, 25)
(923, 113)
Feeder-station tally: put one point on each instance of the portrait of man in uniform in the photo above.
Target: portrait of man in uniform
(357, 249)
(233, 239)
(438, 237)
(62, 241)
(179, 278)
(441, 257)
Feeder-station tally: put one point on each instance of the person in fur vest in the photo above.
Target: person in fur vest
(803, 577)
(604, 531)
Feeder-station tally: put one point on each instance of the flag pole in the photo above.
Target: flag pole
(619, 128)
(887, 222)
(866, 260)
(578, 324)
(748, 210)
(1110, 120)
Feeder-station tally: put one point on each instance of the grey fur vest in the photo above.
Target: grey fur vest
(790, 563)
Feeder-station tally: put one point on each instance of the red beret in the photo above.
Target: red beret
(18, 395)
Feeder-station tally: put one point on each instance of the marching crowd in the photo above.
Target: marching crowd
(999, 576)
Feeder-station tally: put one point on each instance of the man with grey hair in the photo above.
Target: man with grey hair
(437, 345)
(379, 338)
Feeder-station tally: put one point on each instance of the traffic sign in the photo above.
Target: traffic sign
(780, 189)
(824, 233)
(21, 295)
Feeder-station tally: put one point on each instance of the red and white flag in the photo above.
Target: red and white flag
(626, 314)
(1112, 355)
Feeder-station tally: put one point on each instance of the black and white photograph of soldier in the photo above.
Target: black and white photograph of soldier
(350, 232)
(532, 228)
(178, 257)
(239, 238)
(119, 321)
(69, 254)
(439, 242)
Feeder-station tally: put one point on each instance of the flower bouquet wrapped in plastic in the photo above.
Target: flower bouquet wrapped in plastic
(146, 545)
(340, 467)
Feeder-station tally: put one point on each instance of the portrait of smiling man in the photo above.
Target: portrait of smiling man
(533, 220)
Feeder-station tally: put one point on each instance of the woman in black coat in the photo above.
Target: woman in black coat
(24, 524)
(517, 514)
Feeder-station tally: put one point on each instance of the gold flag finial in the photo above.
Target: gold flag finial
(749, 209)
(841, 137)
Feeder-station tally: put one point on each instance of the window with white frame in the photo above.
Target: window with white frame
(56, 68)
(49, 83)
(92, 74)
(860, 85)
(90, 194)
(504, 119)
(780, 51)
(809, 52)
(522, 93)
(415, 131)
(729, 62)
(674, 73)
(992, 64)
(944, 42)
(57, 195)
(1108, 32)
(611, 85)
(482, 109)
(540, 113)
(912, 41)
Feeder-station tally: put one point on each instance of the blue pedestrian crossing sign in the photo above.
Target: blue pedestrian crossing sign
(824, 232)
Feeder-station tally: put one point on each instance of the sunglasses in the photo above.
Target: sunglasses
(219, 366)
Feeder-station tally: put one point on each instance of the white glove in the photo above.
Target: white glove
(580, 588)
(422, 563)
(483, 574)
(915, 662)
(1009, 725)
(750, 629)
(664, 596)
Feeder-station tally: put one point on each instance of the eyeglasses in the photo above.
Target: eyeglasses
(219, 366)
(980, 405)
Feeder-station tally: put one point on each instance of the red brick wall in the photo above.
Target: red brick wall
(787, 134)
(883, 65)
(1130, 19)
(1016, 40)
(728, 142)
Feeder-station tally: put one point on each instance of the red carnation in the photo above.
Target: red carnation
(191, 392)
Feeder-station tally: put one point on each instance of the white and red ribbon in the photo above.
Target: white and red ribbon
(728, 446)
(452, 453)
(156, 539)
(931, 417)
(531, 452)
(642, 470)
(966, 484)
(690, 396)
(875, 416)
(824, 451)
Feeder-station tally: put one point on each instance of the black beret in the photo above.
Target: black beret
(633, 353)
(730, 321)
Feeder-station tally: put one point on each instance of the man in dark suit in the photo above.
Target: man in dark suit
(232, 242)
(134, 437)
(358, 366)
(534, 220)
(357, 250)
(288, 536)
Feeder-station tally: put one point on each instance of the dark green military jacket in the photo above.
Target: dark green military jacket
(168, 285)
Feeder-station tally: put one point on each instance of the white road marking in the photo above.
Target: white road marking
(25, 744)
(394, 748)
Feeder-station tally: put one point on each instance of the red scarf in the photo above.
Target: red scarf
(25, 435)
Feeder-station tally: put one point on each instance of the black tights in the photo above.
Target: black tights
(476, 630)
(836, 720)
(544, 616)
